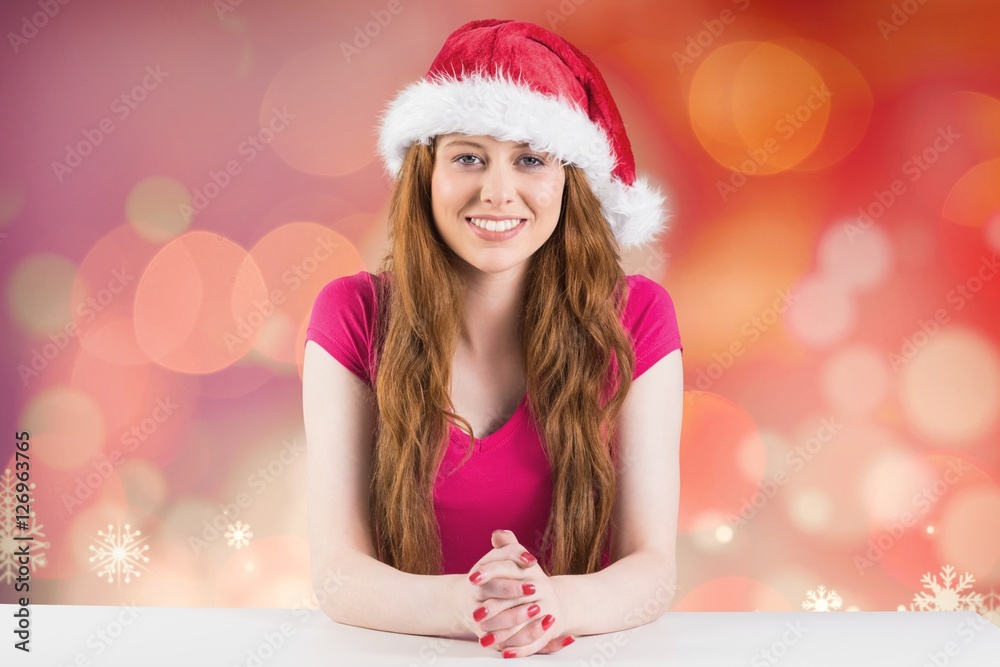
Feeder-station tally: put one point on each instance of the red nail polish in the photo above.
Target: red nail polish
(528, 589)
(568, 641)
(533, 610)
(480, 614)
(476, 577)
(527, 557)
(548, 621)
(510, 653)
(487, 639)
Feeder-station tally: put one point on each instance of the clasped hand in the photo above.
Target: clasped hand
(512, 605)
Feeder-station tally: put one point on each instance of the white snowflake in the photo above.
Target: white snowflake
(118, 553)
(822, 600)
(9, 530)
(238, 535)
(990, 607)
(945, 596)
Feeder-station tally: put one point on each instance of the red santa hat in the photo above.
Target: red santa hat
(515, 81)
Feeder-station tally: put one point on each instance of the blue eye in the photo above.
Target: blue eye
(461, 157)
(538, 162)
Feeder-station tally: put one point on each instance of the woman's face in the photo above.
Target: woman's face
(478, 177)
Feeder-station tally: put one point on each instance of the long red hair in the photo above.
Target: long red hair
(570, 328)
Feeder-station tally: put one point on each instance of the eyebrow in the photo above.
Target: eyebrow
(466, 142)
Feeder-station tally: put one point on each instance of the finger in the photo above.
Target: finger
(514, 616)
(515, 554)
(534, 635)
(501, 569)
(494, 638)
(557, 644)
(502, 538)
(507, 589)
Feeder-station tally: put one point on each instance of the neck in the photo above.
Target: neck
(492, 310)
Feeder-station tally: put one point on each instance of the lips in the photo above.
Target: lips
(488, 235)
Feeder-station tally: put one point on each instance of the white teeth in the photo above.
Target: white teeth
(495, 225)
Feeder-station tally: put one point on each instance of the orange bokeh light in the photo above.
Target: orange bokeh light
(757, 107)
(197, 307)
(722, 449)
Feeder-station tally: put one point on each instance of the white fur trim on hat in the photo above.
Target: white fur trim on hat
(511, 111)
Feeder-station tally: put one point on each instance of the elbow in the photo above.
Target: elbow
(328, 586)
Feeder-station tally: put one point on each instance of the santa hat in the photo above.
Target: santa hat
(515, 81)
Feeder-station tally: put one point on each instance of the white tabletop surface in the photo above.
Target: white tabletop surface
(63, 635)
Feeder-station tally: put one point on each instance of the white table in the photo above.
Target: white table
(147, 636)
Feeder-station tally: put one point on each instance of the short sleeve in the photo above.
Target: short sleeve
(342, 322)
(651, 319)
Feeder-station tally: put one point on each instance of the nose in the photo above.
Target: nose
(498, 185)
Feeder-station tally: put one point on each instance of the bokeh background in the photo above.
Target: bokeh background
(181, 178)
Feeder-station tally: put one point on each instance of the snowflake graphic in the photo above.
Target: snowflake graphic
(822, 600)
(9, 529)
(990, 607)
(238, 535)
(949, 594)
(118, 553)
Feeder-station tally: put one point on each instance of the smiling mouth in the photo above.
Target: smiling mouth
(496, 225)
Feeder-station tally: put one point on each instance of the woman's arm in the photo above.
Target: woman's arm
(639, 584)
(351, 584)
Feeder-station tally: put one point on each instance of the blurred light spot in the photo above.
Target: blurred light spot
(712, 435)
(857, 263)
(855, 380)
(891, 482)
(11, 203)
(197, 308)
(706, 531)
(903, 547)
(733, 262)
(810, 509)
(992, 232)
(758, 108)
(297, 260)
(104, 295)
(976, 196)
(950, 391)
(822, 312)
(156, 207)
(324, 129)
(145, 486)
(259, 574)
(733, 594)
(850, 103)
(38, 296)
(970, 533)
(949, 134)
(69, 422)
(118, 390)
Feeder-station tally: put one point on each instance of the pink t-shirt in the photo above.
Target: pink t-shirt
(506, 483)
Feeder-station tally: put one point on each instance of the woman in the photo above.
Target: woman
(488, 343)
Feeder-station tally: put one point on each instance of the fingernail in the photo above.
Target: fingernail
(480, 614)
(487, 639)
(476, 577)
(568, 641)
(498, 530)
(527, 557)
(548, 621)
(533, 610)
(510, 653)
(528, 589)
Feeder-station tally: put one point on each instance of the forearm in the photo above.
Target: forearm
(362, 591)
(628, 593)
